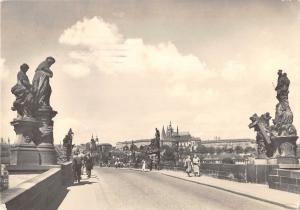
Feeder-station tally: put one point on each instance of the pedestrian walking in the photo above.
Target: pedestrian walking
(143, 165)
(151, 164)
(76, 165)
(88, 165)
(196, 165)
(188, 165)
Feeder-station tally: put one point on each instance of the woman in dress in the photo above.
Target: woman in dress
(196, 165)
(144, 165)
(188, 165)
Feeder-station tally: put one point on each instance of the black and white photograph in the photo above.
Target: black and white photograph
(149, 104)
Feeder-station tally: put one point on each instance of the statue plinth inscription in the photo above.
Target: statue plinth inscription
(278, 140)
(34, 124)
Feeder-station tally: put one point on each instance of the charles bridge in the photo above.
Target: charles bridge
(34, 156)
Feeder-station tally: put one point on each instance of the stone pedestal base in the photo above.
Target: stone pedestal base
(286, 180)
(285, 149)
(25, 154)
(45, 146)
(47, 154)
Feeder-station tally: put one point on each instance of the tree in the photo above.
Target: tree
(220, 150)
(169, 153)
(133, 147)
(125, 148)
(88, 146)
(238, 149)
(211, 150)
(249, 150)
(229, 150)
(202, 149)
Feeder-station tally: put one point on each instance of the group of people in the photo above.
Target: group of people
(192, 165)
(80, 163)
(151, 163)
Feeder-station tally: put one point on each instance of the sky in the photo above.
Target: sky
(125, 67)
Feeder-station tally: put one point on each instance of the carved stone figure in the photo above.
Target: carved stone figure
(41, 83)
(282, 87)
(283, 122)
(67, 143)
(282, 135)
(157, 138)
(23, 92)
(34, 124)
(262, 128)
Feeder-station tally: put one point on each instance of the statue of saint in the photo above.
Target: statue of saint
(67, 143)
(23, 92)
(157, 138)
(41, 83)
(282, 87)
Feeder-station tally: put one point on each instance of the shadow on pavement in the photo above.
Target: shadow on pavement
(82, 183)
(58, 199)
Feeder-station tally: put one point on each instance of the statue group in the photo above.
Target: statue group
(31, 97)
(279, 139)
(34, 125)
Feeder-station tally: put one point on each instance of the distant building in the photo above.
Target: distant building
(181, 138)
(104, 152)
(221, 143)
(105, 147)
(138, 143)
(168, 137)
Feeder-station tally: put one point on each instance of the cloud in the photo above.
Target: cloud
(90, 33)
(119, 14)
(4, 72)
(100, 45)
(76, 70)
(233, 71)
(159, 80)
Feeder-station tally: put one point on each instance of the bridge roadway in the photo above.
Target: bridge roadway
(124, 189)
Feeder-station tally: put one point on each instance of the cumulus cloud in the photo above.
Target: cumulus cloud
(233, 71)
(91, 33)
(3, 69)
(76, 70)
(100, 45)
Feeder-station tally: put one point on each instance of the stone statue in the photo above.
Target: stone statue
(262, 127)
(93, 146)
(67, 143)
(283, 122)
(282, 135)
(24, 96)
(157, 138)
(34, 124)
(282, 87)
(41, 84)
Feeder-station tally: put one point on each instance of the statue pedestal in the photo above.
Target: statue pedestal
(45, 144)
(25, 152)
(47, 154)
(285, 148)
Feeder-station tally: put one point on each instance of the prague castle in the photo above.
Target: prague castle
(169, 137)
